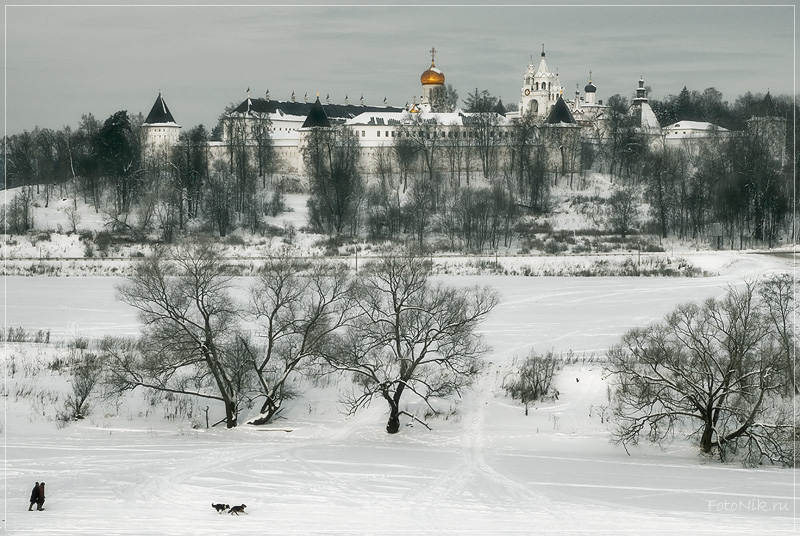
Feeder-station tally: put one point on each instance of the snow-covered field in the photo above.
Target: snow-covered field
(486, 468)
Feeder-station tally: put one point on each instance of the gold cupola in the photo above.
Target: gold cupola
(433, 76)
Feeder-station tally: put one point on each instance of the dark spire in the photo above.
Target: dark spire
(316, 118)
(560, 113)
(159, 113)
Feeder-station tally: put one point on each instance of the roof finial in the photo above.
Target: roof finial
(543, 50)
(590, 75)
(433, 54)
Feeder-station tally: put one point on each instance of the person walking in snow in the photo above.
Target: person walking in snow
(40, 500)
(34, 496)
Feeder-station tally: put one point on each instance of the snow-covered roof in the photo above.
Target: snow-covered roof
(302, 109)
(649, 121)
(404, 117)
(695, 125)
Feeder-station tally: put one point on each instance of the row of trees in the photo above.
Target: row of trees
(107, 165)
(390, 328)
(431, 179)
(735, 181)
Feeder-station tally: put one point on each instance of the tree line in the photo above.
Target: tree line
(389, 328)
(462, 189)
(107, 165)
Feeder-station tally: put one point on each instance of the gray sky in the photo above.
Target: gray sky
(62, 62)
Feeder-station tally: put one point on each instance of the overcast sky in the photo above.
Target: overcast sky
(62, 62)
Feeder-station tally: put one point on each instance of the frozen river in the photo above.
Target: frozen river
(584, 314)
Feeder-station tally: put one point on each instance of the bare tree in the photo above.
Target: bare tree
(623, 210)
(297, 307)
(331, 157)
(19, 212)
(219, 206)
(485, 130)
(190, 325)
(411, 336)
(778, 293)
(711, 372)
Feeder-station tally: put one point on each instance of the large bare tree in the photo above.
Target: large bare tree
(190, 325)
(297, 307)
(713, 372)
(411, 336)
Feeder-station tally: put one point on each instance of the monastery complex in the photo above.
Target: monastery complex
(564, 124)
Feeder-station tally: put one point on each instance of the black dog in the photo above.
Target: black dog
(220, 507)
(237, 509)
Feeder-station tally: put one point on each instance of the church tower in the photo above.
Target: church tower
(432, 80)
(541, 89)
(161, 130)
(642, 112)
(590, 91)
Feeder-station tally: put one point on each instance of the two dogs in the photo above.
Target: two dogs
(220, 508)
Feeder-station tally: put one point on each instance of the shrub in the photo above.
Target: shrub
(103, 240)
(533, 379)
(234, 240)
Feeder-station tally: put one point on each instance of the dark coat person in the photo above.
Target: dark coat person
(34, 496)
(40, 501)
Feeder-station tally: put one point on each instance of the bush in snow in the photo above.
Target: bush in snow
(86, 373)
(533, 379)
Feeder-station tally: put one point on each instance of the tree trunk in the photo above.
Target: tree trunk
(705, 441)
(393, 425)
(230, 414)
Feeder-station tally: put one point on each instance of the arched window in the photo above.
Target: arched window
(537, 86)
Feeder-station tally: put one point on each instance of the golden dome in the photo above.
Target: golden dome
(433, 76)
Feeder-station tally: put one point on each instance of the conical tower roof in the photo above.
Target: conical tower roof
(316, 116)
(159, 113)
(560, 113)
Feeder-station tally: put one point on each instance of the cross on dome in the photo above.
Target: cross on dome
(433, 53)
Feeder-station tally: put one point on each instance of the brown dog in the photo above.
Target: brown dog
(238, 509)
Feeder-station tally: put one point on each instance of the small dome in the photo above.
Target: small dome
(590, 88)
(433, 76)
